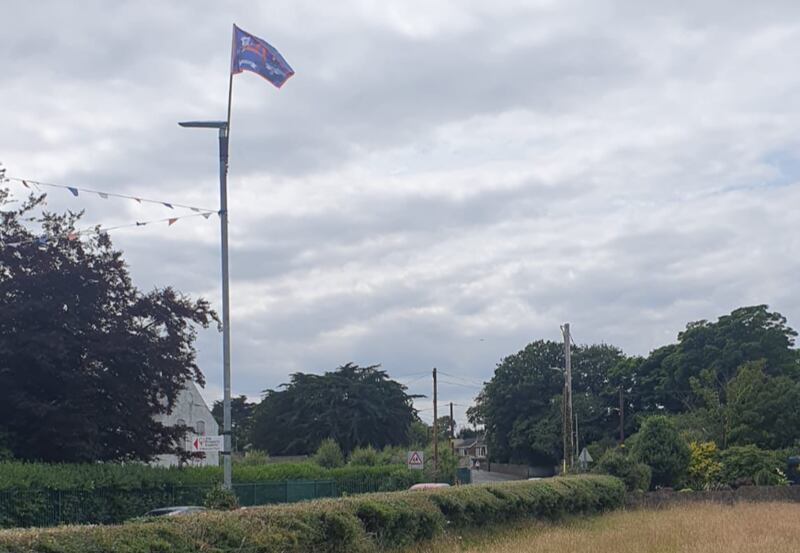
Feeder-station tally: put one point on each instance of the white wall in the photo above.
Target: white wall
(191, 409)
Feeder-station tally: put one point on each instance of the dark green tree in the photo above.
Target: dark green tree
(241, 420)
(718, 348)
(659, 446)
(355, 406)
(86, 359)
(521, 406)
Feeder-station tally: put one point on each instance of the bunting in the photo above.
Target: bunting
(76, 190)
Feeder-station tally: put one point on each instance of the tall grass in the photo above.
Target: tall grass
(696, 528)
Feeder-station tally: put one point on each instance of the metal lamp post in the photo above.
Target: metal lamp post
(226, 329)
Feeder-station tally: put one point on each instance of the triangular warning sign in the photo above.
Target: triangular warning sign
(415, 460)
(196, 443)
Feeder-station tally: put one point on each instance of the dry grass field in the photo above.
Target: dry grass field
(700, 528)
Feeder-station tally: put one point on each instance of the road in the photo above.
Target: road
(482, 476)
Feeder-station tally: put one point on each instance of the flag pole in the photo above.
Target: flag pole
(224, 133)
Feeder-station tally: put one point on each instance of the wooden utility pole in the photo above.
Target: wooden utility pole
(569, 454)
(452, 423)
(435, 426)
(621, 416)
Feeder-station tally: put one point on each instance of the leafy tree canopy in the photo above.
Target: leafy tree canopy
(241, 420)
(355, 406)
(86, 359)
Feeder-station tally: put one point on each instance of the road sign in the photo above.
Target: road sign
(207, 443)
(584, 457)
(415, 460)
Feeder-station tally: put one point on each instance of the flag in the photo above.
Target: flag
(73, 190)
(171, 221)
(250, 53)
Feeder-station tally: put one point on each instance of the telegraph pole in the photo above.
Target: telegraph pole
(570, 449)
(452, 430)
(621, 416)
(435, 427)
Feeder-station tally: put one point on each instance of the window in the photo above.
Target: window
(200, 428)
(180, 422)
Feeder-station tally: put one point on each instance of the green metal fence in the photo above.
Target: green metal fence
(45, 507)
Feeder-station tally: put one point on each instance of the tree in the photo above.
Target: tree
(329, 454)
(521, 406)
(355, 406)
(718, 348)
(659, 445)
(86, 359)
(241, 420)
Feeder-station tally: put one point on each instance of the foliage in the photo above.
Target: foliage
(241, 420)
(220, 499)
(636, 476)
(741, 464)
(358, 524)
(713, 352)
(521, 405)
(446, 465)
(329, 454)
(661, 447)
(356, 406)
(704, 466)
(86, 359)
(419, 434)
(364, 456)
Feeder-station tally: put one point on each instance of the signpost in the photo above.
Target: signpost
(208, 443)
(415, 460)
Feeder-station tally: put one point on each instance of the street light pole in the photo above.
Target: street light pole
(223, 126)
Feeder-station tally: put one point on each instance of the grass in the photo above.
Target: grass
(698, 528)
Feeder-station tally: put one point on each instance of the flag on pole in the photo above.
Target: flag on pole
(250, 53)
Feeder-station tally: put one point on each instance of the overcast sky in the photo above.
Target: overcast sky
(440, 183)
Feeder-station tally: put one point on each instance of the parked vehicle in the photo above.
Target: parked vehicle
(428, 486)
(174, 511)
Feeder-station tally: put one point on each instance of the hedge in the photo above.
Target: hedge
(135, 476)
(363, 523)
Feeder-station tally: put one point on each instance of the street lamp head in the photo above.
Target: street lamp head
(204, 124)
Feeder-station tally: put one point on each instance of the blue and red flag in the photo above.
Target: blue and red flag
(250, 53)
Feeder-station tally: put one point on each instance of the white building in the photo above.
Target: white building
(190, 409)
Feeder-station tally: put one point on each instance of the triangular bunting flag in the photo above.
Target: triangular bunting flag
(73, 190)
(207, 215)
(138, 200)
(103, 195)
(25, 183)
(168, 205)
(171, 222)
(138, 224)
(195, 209)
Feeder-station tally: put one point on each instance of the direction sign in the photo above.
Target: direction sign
(415, 460)
(208, 443)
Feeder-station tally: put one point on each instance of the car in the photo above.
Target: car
(428, 486)
(174, 511)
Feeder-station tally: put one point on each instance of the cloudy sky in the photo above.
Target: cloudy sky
(441, 182)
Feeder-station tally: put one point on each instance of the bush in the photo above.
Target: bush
(636, 476)
(358, 524)
(704, 466)
(659, 446)
(741, 465)
(364, 457)
(220, 499)
(329, 454)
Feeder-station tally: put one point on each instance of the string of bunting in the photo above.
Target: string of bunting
(75, 235)
(76, 190)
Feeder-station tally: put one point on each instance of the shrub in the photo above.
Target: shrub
(353, 525)
(636, 476)
(741, 464)
(704, 466)
(220, 499)
(659, 446)
(364, 457)
(329, 454)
